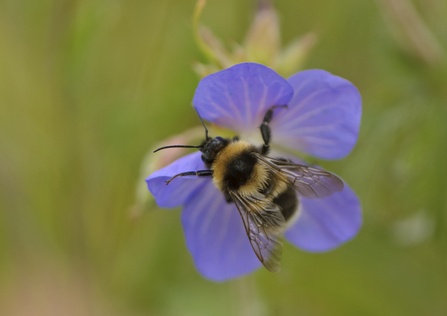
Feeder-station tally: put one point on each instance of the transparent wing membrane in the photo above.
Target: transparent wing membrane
(263, 223)
(312, 183)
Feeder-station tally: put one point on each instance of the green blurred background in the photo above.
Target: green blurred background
(87, 87)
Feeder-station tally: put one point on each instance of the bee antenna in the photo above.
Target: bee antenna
(201, 120)
(177, 146)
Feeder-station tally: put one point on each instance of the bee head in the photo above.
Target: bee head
(210, 147)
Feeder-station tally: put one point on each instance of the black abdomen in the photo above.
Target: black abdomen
(288, 201)
(239, 170)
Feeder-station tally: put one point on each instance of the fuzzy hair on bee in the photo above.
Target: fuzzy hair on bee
(265, 190)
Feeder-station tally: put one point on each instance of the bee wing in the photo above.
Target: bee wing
(263, 223)
(312, 183)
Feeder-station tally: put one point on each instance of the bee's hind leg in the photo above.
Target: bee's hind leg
(265, 128)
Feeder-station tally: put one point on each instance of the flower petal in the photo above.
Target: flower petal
(327, 223)
(323, 118)
(238, 97)
(178, 191)
(216, 237)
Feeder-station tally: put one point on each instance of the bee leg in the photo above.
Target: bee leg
(228, 197)
(200, 173)
(265, 128)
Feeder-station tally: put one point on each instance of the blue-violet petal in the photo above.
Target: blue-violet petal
(180, 189)
(323, 118)
(239, 97)
(327, 223)
(216, 237)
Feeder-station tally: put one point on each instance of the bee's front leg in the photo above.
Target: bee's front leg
(265, 128)
(200, 173)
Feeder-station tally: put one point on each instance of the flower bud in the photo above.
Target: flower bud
(263, 37)
(291, 58)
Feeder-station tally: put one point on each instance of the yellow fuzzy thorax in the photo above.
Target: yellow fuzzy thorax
(259, 176)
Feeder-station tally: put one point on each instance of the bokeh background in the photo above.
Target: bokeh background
(87, 87)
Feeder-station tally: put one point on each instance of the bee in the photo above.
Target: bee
(264, 189)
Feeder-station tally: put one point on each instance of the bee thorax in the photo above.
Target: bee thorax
(237, 169)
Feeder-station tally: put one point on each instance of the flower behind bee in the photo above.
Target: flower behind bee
(322, 119)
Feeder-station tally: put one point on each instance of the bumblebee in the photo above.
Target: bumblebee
(264, 189)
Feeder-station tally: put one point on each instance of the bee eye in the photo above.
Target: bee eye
(205, 159)
(219, 138)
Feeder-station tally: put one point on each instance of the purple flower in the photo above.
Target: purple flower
(322, 119)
